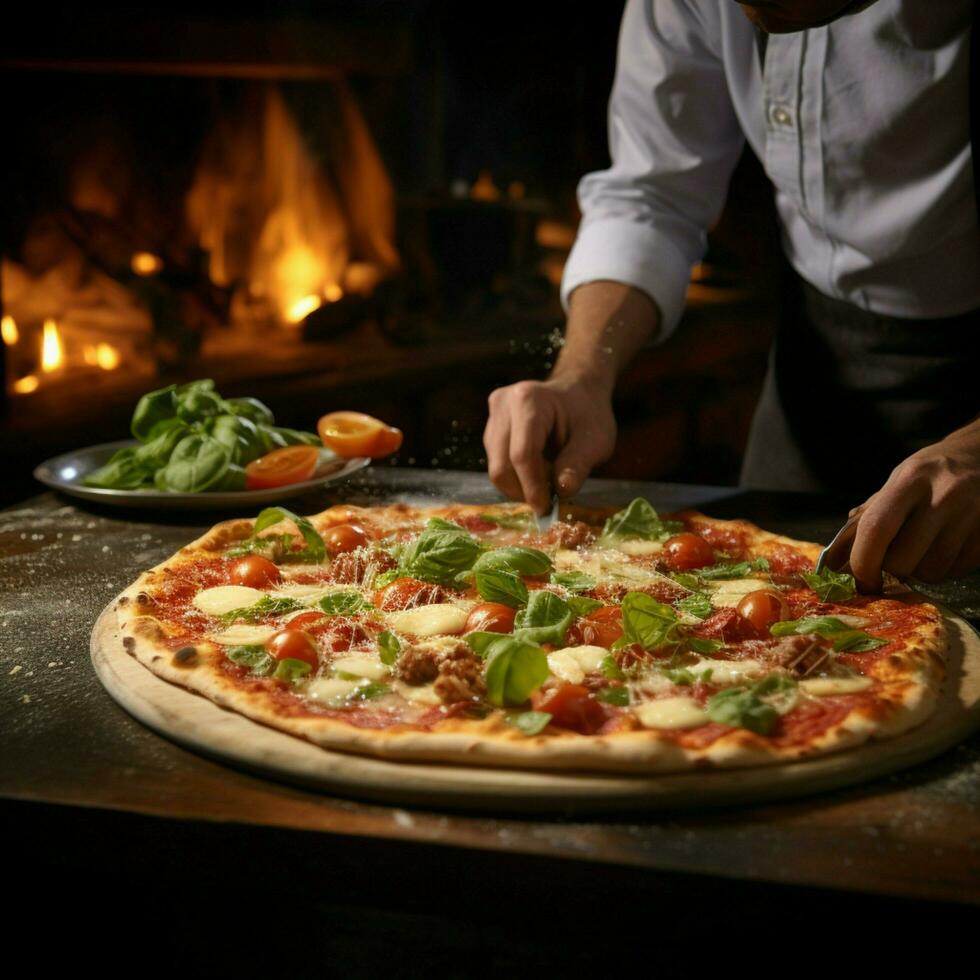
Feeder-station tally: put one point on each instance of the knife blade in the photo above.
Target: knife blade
(840, 545)
(548, 519)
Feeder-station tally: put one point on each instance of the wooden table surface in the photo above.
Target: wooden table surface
(76, 769)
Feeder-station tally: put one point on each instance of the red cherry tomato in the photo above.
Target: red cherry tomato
(490, 617)
(405, 593)
(686, 551)
(293, 644)
(308, 619)
(291, 464)
(601, 628)
(255, 571)
(345, 537)
(763, 608)
(570, 706)
(356, 434)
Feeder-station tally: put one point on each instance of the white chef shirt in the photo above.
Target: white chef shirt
(862, 125)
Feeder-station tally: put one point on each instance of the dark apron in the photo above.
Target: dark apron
(849, 394)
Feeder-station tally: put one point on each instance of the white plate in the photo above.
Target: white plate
(66, 472)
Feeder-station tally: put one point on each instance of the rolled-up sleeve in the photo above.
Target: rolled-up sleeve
(674, 140)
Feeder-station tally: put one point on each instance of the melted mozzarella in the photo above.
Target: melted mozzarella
(422, 694)
(369, 667)
(827, 686)
(332, 690)
(729, 593)
(244, 635)
(639, 547)
(439, 619)
(729, 671)
(671, 713)
(224, 598)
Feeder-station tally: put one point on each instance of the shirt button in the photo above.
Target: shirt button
(780, 116)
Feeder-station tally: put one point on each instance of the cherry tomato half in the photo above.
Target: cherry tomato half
(490, 617)
(570, 706)
(763, 608)
(601, 628)
(291, 644)
(356, 434)
(686, 551)
(255, 571)
(290, 464)
(345, 537)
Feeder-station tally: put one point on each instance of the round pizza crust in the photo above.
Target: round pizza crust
(230, 737)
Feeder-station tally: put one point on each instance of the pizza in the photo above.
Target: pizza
(613, 641)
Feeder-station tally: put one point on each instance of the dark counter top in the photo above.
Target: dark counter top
(72, 760)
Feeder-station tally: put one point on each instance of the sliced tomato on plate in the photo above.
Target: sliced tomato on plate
(355, 434)
(290, 464)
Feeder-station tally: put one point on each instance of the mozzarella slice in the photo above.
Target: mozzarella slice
(372, 669)
(562, 664)
(639, 547)
(729, 593)
(332, 690)
(671, 713)
(826, 686)
(422, 694)
(244, 635)
(309, 592)
(224, 598)
(729, 671)
(439, 619)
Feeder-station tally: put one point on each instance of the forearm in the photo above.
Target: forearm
(608, 322)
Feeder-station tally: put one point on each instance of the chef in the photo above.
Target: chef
(860, 114)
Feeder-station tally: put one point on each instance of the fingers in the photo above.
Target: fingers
(521, 419)
(584, 451)
(883, 516)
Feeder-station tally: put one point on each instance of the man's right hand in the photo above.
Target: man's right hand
(569, 420)
(544, 434)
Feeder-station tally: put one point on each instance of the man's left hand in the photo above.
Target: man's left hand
(925, 521)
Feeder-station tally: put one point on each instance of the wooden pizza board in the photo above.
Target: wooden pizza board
(204, 727)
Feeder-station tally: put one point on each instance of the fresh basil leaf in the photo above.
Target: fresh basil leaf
(389, 647)
(856, 641)
(315, 549)
(296, 437)
(574, 581)
(638, 520)
(267, 546)
(239, 436)
(545, 619)
(581, 606)
(291, 670)
(698, 605)
(519, 561)
(774, 683)
(529, 722)
(342, 603)
(441, 552)
(614, 695)
(481, 641)
(157, 450)
(647, 622)
(831, 586)
(232, 481)
(197, 463)
(255, 657)
(687, 581)
(499, 586)
(821, 625)
(266, 606)
(249, 408)
(386, 578)
(123, 472)
(611, 669)
(742, 707)
(732, 569)
(700, 645)
(153, 407)
(197, 400)
(515, 668)
(522, 521)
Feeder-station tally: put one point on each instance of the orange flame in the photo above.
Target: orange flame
(8, 329)
(27, 384)
(52, 348)
(107, 357)
(302, 308)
